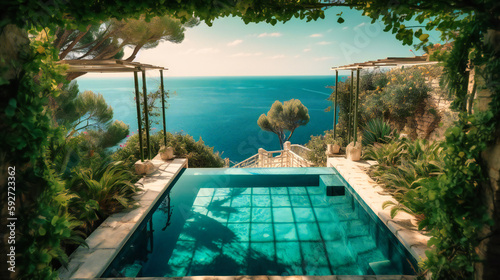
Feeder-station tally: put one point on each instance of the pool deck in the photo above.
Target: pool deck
(404, 225)
(107, 240)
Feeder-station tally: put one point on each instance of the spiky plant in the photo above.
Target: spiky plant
(377, 131)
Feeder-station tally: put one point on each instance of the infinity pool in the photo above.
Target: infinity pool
(261, 222)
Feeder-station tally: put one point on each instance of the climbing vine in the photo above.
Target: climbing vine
(455, 212)
(28, 132)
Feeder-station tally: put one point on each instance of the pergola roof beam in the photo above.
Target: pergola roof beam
(386, 62)
(107, 66)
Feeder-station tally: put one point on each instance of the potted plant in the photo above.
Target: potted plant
(336, 144)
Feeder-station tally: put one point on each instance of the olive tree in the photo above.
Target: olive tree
(284, 117)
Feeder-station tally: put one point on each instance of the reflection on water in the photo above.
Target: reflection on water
(294, 230)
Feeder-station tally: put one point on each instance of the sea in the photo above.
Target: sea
(223, 111)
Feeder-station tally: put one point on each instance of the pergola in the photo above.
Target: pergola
(352, 123)
(118, 66)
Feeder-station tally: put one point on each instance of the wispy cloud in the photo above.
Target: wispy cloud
(234, 43)
(323, 43)
(296, 56)
(245, 54)
(306, 50)
(277, 56)
(265, 34)
(345, 27)
(317, 35)
(360, 25)
(324, 58)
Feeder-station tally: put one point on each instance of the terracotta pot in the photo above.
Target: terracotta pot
(335, 148)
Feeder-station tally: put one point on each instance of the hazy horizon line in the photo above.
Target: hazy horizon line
(208, 76)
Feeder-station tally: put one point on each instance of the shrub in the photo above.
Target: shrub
(377, 131)
(198, 154)
(394, 96)
(317, 145)
(404, 167)
(102, 192)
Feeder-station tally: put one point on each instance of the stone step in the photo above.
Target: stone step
(364, 259)
(384, 267)
(357, 228)
(361, 244)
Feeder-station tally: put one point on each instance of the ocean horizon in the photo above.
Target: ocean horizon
(223, 110)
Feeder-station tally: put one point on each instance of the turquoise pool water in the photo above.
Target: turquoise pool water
(260, 222)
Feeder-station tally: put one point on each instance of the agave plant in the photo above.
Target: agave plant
(389, 154)
(404, 168)
(377, 131)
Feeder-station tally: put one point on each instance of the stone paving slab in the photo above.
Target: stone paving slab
(403, 226)
(107, 240)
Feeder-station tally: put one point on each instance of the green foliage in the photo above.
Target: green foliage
(154, 106)
(78, 15)
(393, 96)
(284, 117)
(404, 167)
(88, 118)
(197, 153)
(402, 95)
(455, 213)
(107, 40)
(102, 191)
(317, 145)
(27, 133)
(377, 131)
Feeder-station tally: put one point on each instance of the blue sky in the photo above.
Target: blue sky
(297, 47)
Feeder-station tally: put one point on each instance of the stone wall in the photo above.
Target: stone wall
(434, 116)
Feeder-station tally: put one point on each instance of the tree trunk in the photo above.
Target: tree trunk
(134, 53)
(64, 53)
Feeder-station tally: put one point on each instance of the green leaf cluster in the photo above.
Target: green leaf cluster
(197, 153)
(377, 131)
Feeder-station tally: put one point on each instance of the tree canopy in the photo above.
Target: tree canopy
(284, 117)
(108, 39)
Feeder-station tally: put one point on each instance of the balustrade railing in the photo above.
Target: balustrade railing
(288, 157)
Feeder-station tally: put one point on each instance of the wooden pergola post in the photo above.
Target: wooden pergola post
(349, 126)
(120, 66)
(139, 119)
(163, 109)
(335, 105)
(352, 121)
(356, 107)
(146, 112)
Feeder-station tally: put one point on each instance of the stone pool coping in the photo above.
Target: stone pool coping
(108, 239)
(403, 226)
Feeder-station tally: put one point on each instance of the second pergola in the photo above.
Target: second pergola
(118, 66)
(352, 113)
